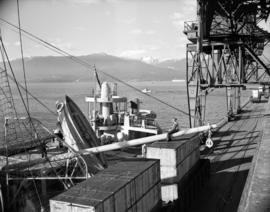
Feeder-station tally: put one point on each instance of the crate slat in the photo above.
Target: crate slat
(116, 189)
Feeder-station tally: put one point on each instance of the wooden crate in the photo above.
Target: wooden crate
(59, 206)
(172, 153)
(115, 189)
(176, 157)
(144, 173)
(149, 201)
(169, 192)
(189, 185)
(175, 173)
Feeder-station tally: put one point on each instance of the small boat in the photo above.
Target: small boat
(146, 90)
(78, 134)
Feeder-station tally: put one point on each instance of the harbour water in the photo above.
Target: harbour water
(173, 93)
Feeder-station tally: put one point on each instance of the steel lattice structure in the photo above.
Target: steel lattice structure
(225, 50)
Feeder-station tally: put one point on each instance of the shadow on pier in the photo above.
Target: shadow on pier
(231, 158)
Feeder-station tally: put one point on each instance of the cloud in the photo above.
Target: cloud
(177, 19)
(150, 32)
(136, 31)
(38, 46)
(187, 13)
(58, 42)
(16, 43)
(94, 1)
(128, 20)
(80, 28)
(139, 32)
(6, 43)
(156, 21)
(177, 16)
(66, 45)
(108, 13)
(85, 1)
(154, 48)
(133, 53)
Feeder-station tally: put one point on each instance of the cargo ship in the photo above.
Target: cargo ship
(114, 118)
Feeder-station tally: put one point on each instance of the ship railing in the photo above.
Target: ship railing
(190, 26)
(146, 123)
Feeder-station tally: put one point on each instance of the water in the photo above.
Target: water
(173, 93)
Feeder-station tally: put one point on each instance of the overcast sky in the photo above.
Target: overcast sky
(127, 28)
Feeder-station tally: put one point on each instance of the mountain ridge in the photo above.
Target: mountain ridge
(62, 69)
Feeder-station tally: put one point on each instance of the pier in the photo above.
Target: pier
(231, 158)
(256, 194)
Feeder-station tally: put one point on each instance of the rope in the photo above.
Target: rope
(23, 64)
(35, 98)
(87, 65)
(28, 114)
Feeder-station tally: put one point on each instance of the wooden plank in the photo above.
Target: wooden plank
(120, 199)
(82, 208)
(149, 200)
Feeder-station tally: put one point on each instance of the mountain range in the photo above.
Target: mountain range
(64, 69)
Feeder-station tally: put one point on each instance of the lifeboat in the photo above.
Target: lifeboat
(78, 133)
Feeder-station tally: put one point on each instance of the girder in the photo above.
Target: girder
(225, 49)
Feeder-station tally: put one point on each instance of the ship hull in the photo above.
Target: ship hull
(79, 135)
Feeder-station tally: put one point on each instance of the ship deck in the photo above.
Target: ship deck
(231, 159)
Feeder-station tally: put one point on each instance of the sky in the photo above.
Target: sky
(126, 28)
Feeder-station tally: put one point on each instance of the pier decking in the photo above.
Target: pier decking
(256, 194)
(231, 159)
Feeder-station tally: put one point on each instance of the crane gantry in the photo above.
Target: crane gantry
(225, 51)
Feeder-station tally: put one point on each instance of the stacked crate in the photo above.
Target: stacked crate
(131, 185)
(176, 159)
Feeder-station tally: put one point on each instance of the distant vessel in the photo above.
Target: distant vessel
(112, 119)
(146, 90)
(178, 80)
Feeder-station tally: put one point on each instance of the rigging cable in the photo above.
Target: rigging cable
(35, 98)
(28, 114)
(86, 64)
(30, 120)
(21, 45)
(18, 85)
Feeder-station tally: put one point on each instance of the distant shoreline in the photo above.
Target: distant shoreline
(84, 81)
